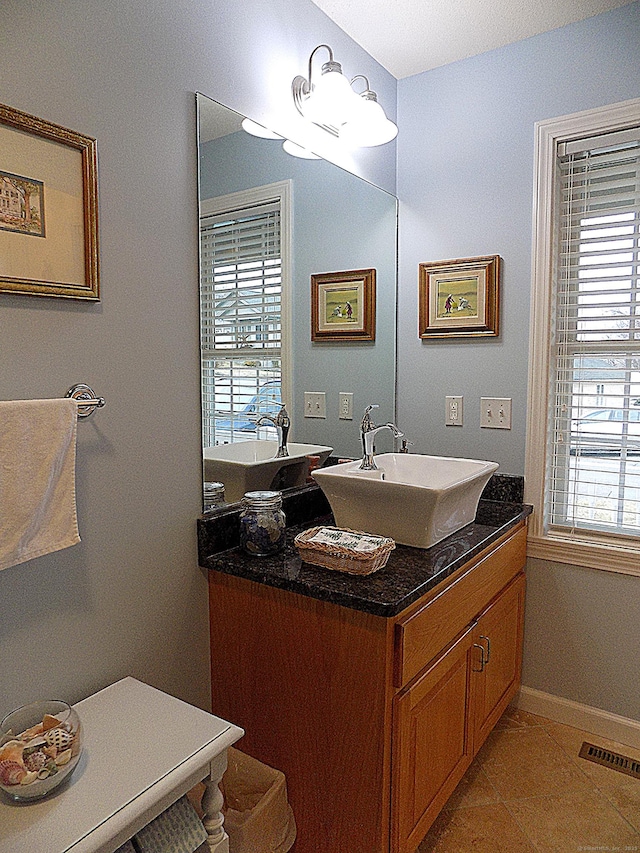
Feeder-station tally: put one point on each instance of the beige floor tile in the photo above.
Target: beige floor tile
(514, 718)
(577, 821)
(474, 789)
(621, 790)
(483, 829)
(527, 762)
(572, 739)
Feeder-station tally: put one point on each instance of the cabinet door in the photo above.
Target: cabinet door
(497, 658)
(432, 743)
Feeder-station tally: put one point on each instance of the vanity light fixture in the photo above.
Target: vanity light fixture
(331, 103)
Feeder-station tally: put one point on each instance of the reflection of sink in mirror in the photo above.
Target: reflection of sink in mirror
(250, 465)
(416, 500)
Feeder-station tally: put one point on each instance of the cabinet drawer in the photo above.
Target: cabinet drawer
(421, 634)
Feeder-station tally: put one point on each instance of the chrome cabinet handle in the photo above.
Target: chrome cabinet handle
(482, 637)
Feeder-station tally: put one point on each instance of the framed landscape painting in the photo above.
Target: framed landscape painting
(460, 298)
(343, 306)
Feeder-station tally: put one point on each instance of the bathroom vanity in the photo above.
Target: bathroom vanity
(372, 694)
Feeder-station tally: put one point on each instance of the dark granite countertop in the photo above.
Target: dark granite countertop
(409, 573)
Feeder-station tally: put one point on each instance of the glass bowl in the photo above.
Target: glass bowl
(40, 745)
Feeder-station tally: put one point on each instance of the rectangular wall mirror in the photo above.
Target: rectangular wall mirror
(269, 222)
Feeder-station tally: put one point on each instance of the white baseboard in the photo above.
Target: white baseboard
(585, 717)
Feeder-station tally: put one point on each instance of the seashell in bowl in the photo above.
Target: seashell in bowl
(40, 745)
(11, 773)
(60, 738)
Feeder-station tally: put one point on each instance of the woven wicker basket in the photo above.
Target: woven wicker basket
(341, 558)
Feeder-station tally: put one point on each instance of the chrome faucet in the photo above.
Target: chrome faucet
(281, 422)
(368, 431)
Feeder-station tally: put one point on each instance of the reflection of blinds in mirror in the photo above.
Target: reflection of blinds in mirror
(241, 321)
(241, 280)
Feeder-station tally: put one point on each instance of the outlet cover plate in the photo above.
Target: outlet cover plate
(453, 411)
(345, 406)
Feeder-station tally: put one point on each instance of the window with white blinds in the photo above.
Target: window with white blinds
(595, 434)
(583, 436)
(241, 322)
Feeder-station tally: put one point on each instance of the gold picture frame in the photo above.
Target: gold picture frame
(343, 306)
(460, 298)
(48, 209)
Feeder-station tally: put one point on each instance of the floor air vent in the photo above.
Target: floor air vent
(614, 760)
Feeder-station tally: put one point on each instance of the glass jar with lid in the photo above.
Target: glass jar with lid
(262, 523)
(213, 495)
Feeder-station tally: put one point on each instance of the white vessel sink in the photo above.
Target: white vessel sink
(247, 466)
(416, 500)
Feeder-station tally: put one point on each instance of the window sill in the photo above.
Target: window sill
(605, 555)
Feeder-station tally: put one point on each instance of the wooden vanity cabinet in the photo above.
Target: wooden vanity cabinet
(442, 718)
(373, 720)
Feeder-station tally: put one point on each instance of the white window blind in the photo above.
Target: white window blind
(241, 321)
(593, 476)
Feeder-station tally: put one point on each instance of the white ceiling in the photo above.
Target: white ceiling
(410, 36)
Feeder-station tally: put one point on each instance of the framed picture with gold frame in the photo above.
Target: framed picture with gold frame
(460, 298)
(343, 306)
(48, 209)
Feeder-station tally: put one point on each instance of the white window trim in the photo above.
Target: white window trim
(281, 192)
(595, 550)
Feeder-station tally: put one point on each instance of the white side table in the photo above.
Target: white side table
(142, 751)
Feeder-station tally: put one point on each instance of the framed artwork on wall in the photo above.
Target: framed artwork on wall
(460, 298)
(343, 306)
(48, 209)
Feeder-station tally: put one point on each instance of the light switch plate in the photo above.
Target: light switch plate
(495, 412)
(315, 404)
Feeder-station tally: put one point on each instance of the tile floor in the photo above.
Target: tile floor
(529, 792)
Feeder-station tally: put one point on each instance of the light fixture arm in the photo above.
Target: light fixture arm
(361, 77)
(368, 94)
(313, 53)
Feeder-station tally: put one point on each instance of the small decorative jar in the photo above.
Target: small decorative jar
(213, 496)
(262, 523)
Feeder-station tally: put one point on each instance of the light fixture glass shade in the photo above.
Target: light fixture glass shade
(368, 125)
(298, 151)
(256, 129)
(331, 98)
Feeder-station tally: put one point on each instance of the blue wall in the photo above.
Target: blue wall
(465, 183)
(130, 599)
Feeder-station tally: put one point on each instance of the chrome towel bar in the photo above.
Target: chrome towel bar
(86, 399)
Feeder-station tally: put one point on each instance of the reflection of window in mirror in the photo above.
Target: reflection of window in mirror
(244, 296)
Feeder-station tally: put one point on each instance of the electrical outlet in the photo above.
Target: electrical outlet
(495, 412)
(345, 406)
(453, 411)
(315, 404)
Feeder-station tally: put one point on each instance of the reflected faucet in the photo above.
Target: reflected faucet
(368, 431)
(281, 422)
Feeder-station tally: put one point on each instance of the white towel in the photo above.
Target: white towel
(37, 478)
(177, 830)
